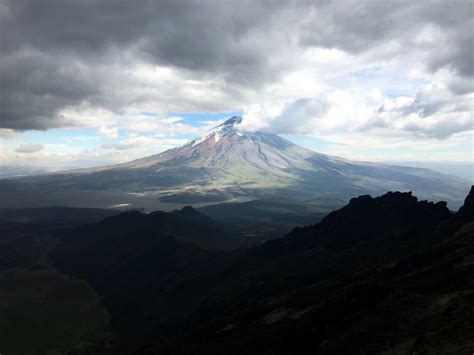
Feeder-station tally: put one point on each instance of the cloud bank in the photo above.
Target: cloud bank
(434, 112)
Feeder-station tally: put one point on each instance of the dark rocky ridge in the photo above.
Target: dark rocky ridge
(389, 274)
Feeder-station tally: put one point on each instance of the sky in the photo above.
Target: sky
(87, 83)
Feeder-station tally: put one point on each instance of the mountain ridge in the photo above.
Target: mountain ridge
(380, 274)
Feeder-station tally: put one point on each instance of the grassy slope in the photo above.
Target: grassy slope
(44, 312)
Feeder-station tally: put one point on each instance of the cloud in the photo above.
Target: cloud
(291, 117)
(126, 57)
(134, 141)
(29, 148)
(433, 112)
(109, 132)
(397, 26)
(35, 86)
(333, 111)
(6, 133)
(96, 60)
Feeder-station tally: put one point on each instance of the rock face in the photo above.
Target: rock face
(467, 210)
(227, 165)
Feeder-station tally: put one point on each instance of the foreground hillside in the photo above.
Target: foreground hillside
(384, 275)
(381, 275)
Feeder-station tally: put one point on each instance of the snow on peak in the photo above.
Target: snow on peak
(224, 129)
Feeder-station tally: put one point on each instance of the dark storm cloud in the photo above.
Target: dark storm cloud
(54, 51)
(35, 86)
(205, 36)
(358, 26)
(46, 43)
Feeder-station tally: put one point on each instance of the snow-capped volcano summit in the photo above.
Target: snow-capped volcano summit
(224, 151)
(225, 129)
(226, 164)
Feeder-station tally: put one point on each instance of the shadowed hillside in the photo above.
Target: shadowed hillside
(388, 274)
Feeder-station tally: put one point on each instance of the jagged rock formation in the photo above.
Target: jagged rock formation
(389, 274)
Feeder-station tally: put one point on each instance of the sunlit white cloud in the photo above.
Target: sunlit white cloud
(109, 132)
(433, 112)
(135, 141)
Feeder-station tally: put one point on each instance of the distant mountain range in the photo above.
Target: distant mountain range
(10, 171)
(464, 170)
(226, 165)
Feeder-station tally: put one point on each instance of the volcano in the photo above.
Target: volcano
(227, 165)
